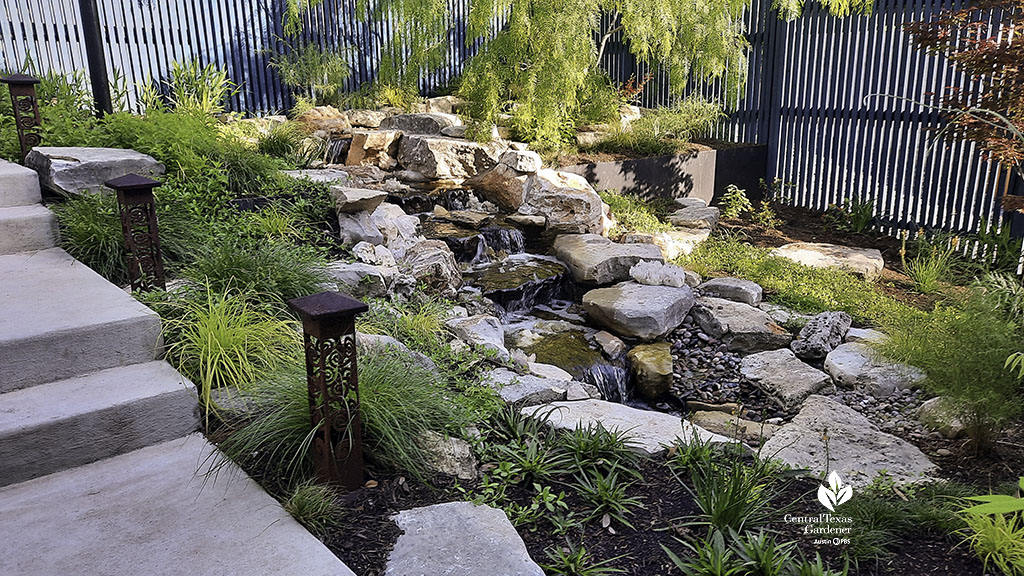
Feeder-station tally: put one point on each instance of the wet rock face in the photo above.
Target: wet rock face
(638, 311)
(467, 244)
(521, 281)
(572, 351)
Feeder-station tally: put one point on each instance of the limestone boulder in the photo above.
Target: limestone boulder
(523, 161)
(443, 158)
(433, 264)
(740, 326)
(567, 201)
(446, 455)
(502, 185)
(702, 217)
(638, 311)
(358, 227)
(865, 262)
(430, 123)
(735, 289)
(821, 335)
(939, 415)
(783, 377)
(857, 449)
(732, 426)
(480, 330)
(352, 200)
(651, 365)
(855, 365)
(68, 170)
(365, 118)
(595, 260)
(374, 148)
(673, 243)
(397, 229)
(329, 176)
(384, 344)
(362, 280)
(526, 389)
(649, 432)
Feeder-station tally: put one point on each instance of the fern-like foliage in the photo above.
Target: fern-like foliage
(792, 9)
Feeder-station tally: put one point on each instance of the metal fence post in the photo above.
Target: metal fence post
(329, 336)
(92, 34)
(26, 110)
(141, 235)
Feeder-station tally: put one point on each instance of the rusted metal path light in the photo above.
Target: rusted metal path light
(329, 335)
(26, 110)
(141, 236)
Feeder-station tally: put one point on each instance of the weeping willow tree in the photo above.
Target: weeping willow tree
(792, 9)
(542, 66)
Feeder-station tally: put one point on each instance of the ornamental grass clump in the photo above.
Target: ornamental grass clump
(225, 340)
(400, 401)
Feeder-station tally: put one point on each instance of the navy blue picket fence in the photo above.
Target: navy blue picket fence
(833, 99)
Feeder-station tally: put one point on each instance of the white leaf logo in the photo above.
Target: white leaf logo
(835, 493)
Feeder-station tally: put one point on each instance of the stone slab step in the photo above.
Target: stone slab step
(153, 512)
(63, 424)
(60, 319)
(19, 186)
(25, 228)
(458, 539)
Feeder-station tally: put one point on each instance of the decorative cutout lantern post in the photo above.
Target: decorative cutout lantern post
(141, 236)
(26, 110)
(329, 334)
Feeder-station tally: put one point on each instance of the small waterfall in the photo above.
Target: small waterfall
(419, 201)
(611, 379)
(467, 244)
(571, 351)
(505, 238)
(521, 282)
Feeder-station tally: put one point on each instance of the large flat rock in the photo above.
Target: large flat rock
(637, 310)
(596, 260)
(60, 319)
(740, 326)
(71, 170)
(783, 376)
(866, 262)
(855, 365)
(649, 432)
(856, 448)
(458, 539)
(150, 512)
(526, 389)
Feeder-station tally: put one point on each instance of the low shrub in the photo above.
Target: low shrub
(222, 339)
(962, 346)
(802, 288)
(270, 268)
(998, 539)
(732, 495)
(734, 202)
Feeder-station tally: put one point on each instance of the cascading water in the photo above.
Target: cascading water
(521, 282)
(507, 239)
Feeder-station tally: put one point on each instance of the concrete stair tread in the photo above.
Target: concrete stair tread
(71, 422)
(25, 228)
(61, 319)
(19, 186)
(148, 512)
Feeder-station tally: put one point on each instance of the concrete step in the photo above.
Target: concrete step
(25, 228)
(150, 512)
(60, 425)
(19, 186)
(60, 319)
